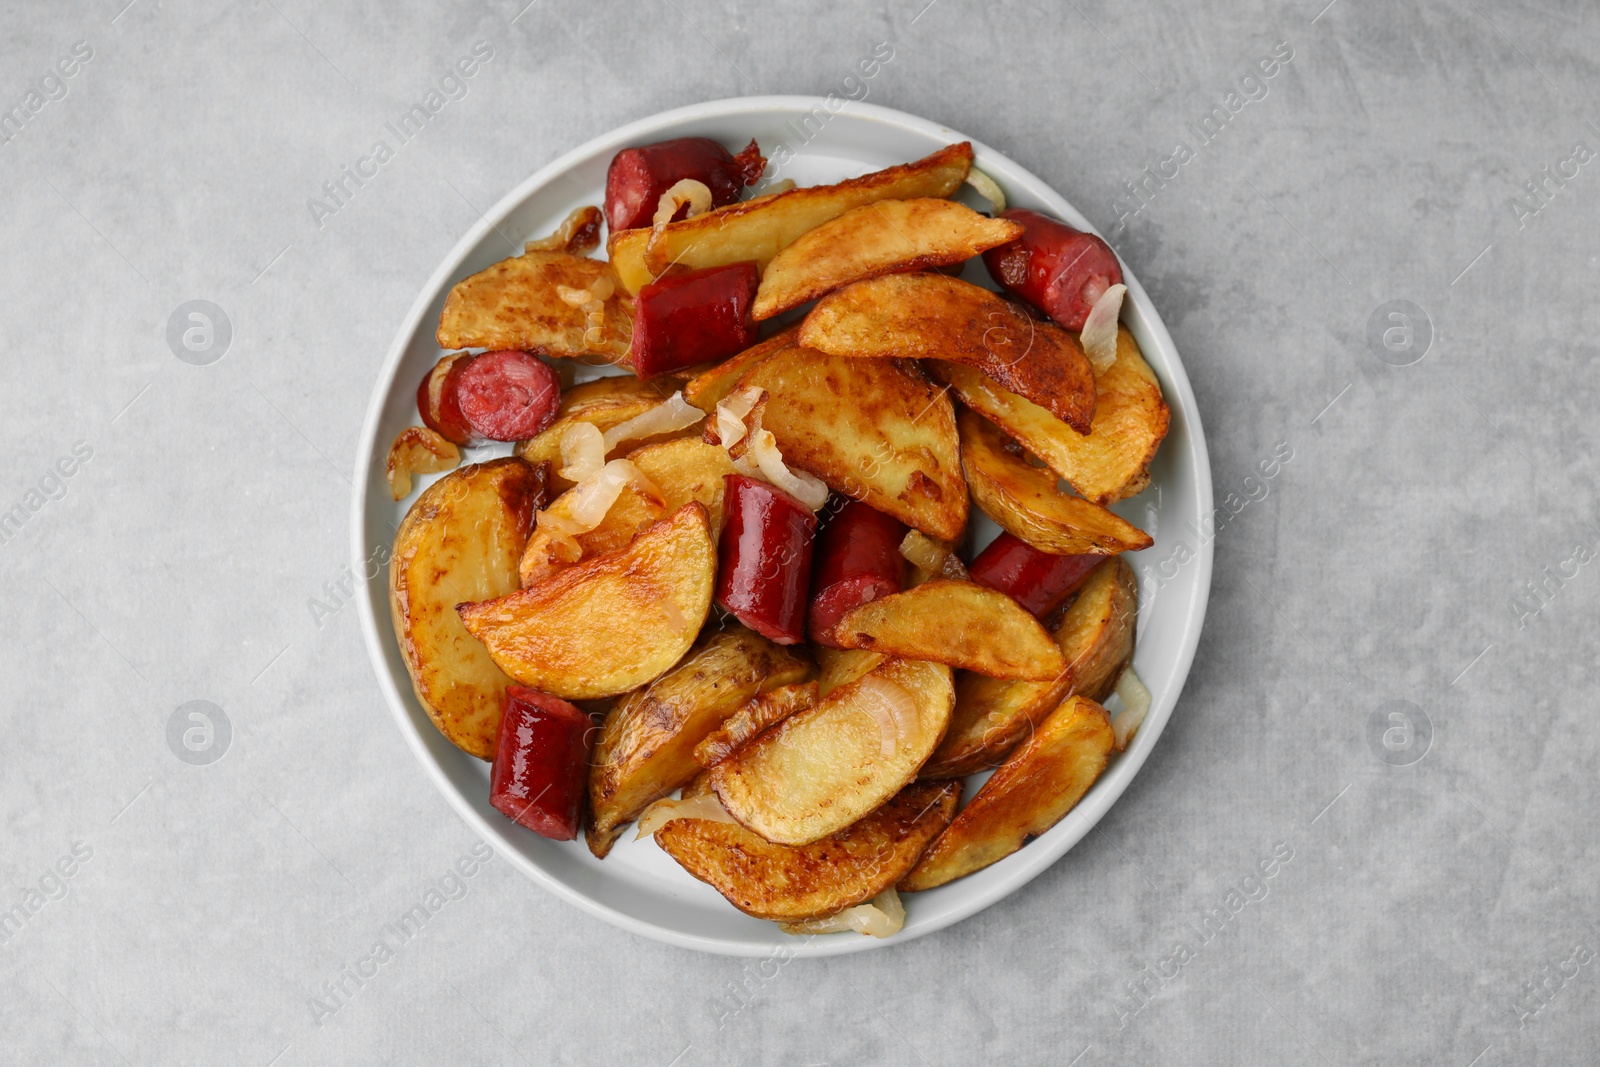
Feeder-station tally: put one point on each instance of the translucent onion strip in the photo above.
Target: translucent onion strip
(705, 807)
(882, 916)
(987, 188)
(1099, 337)
(687, 191)
(894, 709)
(806, 488)
(732, 410)
(672, 414)
(583, 451)
(1135, 706)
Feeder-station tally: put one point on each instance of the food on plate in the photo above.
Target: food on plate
(858, 560)
(1095, 635)
(560, 538)
(761, 713)
(1025, 501)
(788, 883)
(538, 775)
(764, 556)
(872, 429)
(931, 558)
(823, 768)
(438, 402)
(608, 624)
(646, 745)
(884, 237)
(693, 317)
(1130, 422)
(958, 623)
(1059, 270)
(605, 403)
(461, 540)
(1039, 581)
(507, 395)
(757, 229)
(417, 450)
(684, 470)
(841, 666)
(711, 386)
(638, 177)
(1027, 794)
(554, 303)
(934, 316)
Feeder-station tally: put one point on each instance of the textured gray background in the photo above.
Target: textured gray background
(1441, 912)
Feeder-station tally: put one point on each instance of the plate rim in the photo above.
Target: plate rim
(1033, 860)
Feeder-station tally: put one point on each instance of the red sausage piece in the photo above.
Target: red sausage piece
(638, 176)
(699, 316)
(508, 395)
(764, 559)
(858, 560)
(438, 402)
(541, 765)
(1059, 270)
(1037, 580)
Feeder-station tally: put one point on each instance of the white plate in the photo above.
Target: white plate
(638, 887)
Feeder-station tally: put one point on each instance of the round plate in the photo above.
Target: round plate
(638, 887)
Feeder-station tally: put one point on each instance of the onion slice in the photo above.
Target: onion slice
(937, 559)
(806, 488)
(686, 191)
(705, 807)
(1099, 336)
(583, 451)
(882, 916)
(674, 413)
(732, 410)
(1135, 706)
(893, 708)
(987, 188)
(593, 497)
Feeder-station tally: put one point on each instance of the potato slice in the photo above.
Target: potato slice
(821, 769)
(710, 387)
(791, 884)
(1095, 635)
(684, 470)
(960, 623)
(608, 624)
(1024, 499)
(646, 744)
(934, 316)
(757, 229)
(872, 429)
(744, 725)
(460, 541)
(878, 238)
(517, 303)
(604, 402)
(634, 510)
(1027, 794)
(1130, 421)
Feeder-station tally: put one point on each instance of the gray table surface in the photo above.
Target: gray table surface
(1432, 892)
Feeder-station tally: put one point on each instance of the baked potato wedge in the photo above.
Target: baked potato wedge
(611, 623)
(1027, 794)
(758, 228)
(686, 469)
(790, 883)
(1023, 499)
(646, 745)
(841, 666)
(823, 768)
(460, 541)
(604, 402)
(1095, 635)
(960, 623)
(883, 237)
(761, 713)
(518, 303)
(875, 430)
(635, 509)
(1130, 421)
(935, 316)
(708, 388)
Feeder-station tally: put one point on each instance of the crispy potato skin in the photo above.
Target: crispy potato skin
(960, 623)
(761, 713)
(608, 624)
(646, 745)
(884, 237)
(604, 402)
(460, 541)
(1027, 794)
(875, 430)
(1130, 421)
(790, 884)
(993, 715)
(1023, 499)
(758, 228)
(515, 304)
(823, 768)
(711, 386)
(934, 316)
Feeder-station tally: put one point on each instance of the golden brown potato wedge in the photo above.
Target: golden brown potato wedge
(1130, 421)
(841, 666)
(821, 769)
(635, 509)
(757, 229)
(708, 388)
(608, 624)
(788, 883)
(460, 541)
(646, 745)
(872, 429)
(686, 469)
(518, 303)
(883, 237)
(934, 316)
(604, 402)
(960, 623)
(1027, 794)
(1024, 499)
(761, 713)
(993, 715)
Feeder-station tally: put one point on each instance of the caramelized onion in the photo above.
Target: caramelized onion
(675, 413)
(893, 708)
(1135, 706)
(987, 188)
(687, 191)
(732, 410)
(882, 916)
(705, 807)
(1099, 336)
(593, 497)
(417, 450)
(583, 451)
(806, 488)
